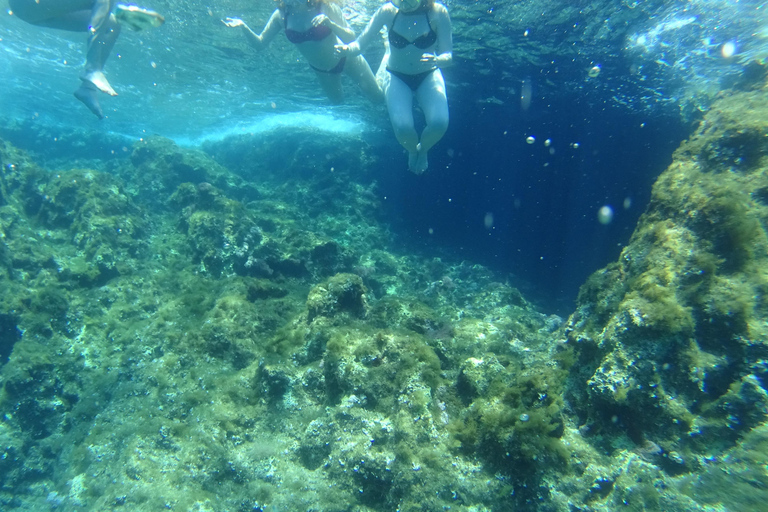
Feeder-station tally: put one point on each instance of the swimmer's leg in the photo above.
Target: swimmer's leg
(359, 70)
(331, 84)
(89, 95)
(400, 106)
(433, 101)
(104, 30)
(382, 75)
(100, 14)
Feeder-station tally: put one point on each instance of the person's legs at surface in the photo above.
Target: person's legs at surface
(104, 28)
(434, 103)
(96, 17)
(400, 106)
(92, 16)
(103, 32)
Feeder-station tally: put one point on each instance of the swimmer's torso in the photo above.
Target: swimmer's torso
(411, 34)
(316, 44)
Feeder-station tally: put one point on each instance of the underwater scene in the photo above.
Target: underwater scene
(368, 256)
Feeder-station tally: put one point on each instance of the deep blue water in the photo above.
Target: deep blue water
(543, 199)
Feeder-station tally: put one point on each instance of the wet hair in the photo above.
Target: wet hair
(427, 4)
(281, 3)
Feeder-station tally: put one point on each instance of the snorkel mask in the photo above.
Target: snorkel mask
(407, 5)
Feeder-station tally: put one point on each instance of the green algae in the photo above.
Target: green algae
(738, 478)
(234, 349)
(670, 337)
(514, 420)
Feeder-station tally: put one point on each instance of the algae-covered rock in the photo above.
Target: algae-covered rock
(671, 338)
(223, 234)
(477, 375)
(162, 166)
(102, 218)
(256, 239)
(514, 417)
(342, 293)
(9, 334)
(269, 352)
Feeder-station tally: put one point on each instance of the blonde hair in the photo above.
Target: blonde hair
(281, 3)
(428, 4)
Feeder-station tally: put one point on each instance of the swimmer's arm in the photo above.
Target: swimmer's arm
(338, 24)
(259, 41)
(383, 16)
(444, 50)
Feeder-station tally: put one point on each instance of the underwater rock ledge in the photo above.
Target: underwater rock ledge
(671, 340)
(176, 334)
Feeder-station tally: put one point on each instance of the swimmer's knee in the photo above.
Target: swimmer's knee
(400, 125)
(439, 123)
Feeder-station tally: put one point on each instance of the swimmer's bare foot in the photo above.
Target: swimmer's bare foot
(89, 95)
(99, 81)
(420, 164)
(413, 157)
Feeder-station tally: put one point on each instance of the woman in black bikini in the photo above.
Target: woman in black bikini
(316, 27)
(421, 43)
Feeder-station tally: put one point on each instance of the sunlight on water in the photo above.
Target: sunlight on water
(320, 122)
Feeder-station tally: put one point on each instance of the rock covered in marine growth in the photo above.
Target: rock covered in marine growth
(671, 339)
(342, 293)
(162, 166)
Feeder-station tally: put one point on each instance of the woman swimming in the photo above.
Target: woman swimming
(420, 43)
(316, 27)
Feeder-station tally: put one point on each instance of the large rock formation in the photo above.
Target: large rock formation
(671, 339)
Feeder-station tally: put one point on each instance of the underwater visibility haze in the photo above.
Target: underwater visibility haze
(230, 294)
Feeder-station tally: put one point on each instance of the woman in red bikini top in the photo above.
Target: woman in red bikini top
(316, 27)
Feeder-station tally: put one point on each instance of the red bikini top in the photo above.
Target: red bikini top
(312, 34)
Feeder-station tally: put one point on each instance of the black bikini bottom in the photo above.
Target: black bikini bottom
(412, 81)
(335, 70)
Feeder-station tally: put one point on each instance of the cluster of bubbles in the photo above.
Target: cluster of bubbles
(605, 213)
(548, 143)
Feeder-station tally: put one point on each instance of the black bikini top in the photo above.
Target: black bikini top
(422, 42)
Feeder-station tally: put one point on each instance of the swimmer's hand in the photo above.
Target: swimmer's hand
(437, 60)
(322, 19)
(429, 57)
(352, 49)
(234, 22)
